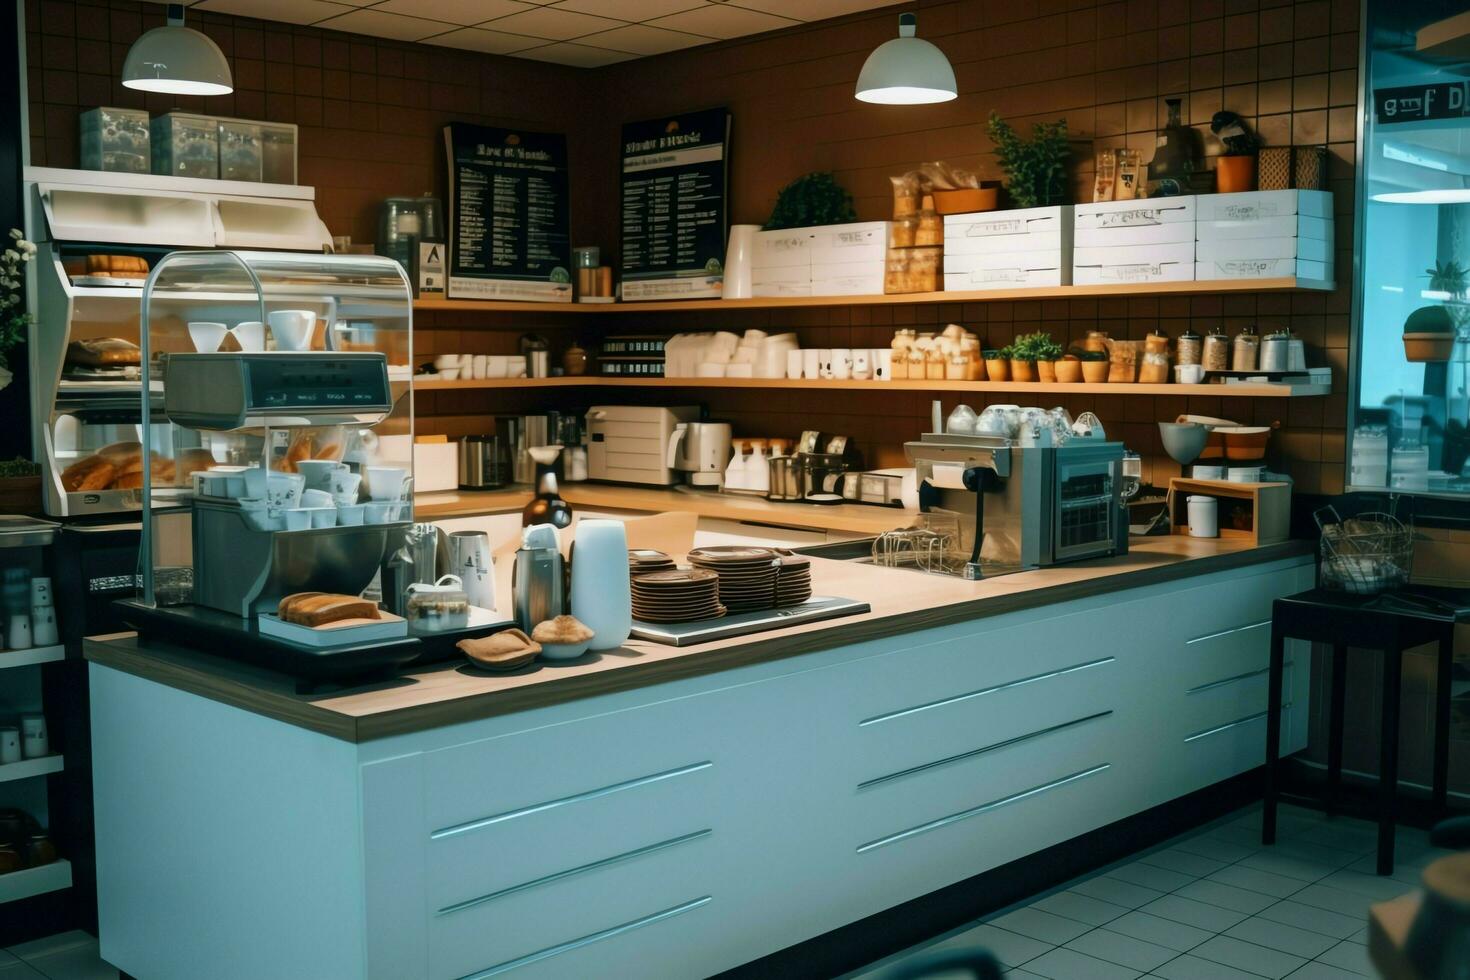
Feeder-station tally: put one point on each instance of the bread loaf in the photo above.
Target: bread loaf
(91, 473)
(103, 352)
(323, 608)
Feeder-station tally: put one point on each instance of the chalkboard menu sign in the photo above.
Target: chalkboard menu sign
(674, 205)
(508, 234)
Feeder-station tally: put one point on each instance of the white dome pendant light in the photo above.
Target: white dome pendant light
(906, 70)
(177, 60)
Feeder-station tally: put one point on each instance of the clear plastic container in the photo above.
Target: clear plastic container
(186, 145)
(115, 139)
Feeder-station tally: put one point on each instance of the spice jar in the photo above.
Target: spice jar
(1189, 349)
(1217, 351)
(1245, 353)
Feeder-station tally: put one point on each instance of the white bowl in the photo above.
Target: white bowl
(207, 336)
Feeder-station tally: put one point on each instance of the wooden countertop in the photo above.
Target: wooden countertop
(859, 518)
(902, 601)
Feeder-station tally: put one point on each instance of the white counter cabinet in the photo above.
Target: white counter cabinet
(678, 829)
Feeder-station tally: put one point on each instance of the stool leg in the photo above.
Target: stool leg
(1273, 735)
(1388, 759)
(1334, 721)
(1442, 722)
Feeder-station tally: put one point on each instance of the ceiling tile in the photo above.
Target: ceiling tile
(810, 10)
(642, 39)
(577, 55)
(378, 24)
(453, 11)
(723, 21)
(488, 42)
(632, 10)
(552, 23)
(285, 11)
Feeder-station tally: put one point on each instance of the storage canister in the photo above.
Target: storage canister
(1190, 348)
(1217, 351)
(1275, 352)
(1245, 355)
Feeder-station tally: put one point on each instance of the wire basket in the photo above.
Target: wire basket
(1366, 554)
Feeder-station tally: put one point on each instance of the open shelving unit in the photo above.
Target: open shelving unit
(35, 881)
(1244, 390)
(35, 655)
(43, 765)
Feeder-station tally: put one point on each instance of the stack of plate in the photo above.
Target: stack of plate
(794, 582)
(747, 575)
(677, 596)
(643, 561)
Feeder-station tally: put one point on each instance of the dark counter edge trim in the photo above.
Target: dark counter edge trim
(199, 680)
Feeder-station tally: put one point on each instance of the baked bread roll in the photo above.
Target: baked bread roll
(506, 650)
(91, 473)
(319, 609)
(103, 352)
(121, 266)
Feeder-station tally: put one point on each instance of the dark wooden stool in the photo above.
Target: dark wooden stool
(1389, 623)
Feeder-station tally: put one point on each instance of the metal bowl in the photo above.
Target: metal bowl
(1184, 441)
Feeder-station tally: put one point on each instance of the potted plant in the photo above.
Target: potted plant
(1236, 170)
(13, 317)
(1069, 369)
(1035, 169)
(814, 199)
(1094, 365)
(1033, 354)
(998, 364)
(1429, 335)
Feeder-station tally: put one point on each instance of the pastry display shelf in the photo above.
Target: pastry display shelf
(35, 881)
(1285, 284)
(35, 655)
(28, 768)
(424, 383)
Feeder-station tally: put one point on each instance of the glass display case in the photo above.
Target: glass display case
(1410, 400)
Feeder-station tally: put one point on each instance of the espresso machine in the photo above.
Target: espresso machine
(1019, 508)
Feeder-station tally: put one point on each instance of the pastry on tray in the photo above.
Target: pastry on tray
(506, 650)
(317, 609)
(103, 352)
(562, 638)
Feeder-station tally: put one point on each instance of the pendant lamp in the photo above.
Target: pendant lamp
(177, 60)
(906, 70)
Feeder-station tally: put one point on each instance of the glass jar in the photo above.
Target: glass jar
(1246, 351)
(1217, 351)
(1189, 349)
(441, 606)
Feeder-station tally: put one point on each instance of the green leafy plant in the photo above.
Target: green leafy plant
(1035, 347)
(993, 354)
(814, 199)
(1036, 169)
(1234, 134)
(1449, 277)
(18, 467)
(13, 318)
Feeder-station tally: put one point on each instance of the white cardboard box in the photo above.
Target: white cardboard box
(1027, 229)
(1168, 262)
(1014, 277)
(1312, 249)
(1059, 243)
(1282, 226)
(974, 262)
(803, 288)
(861, 241)
(1257, 205)
(780, 249)
(1152, 221)
(1264, 269)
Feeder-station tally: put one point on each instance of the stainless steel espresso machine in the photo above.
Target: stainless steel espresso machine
(1019, 508)
(284, 374)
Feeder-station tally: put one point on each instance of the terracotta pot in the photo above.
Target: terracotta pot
(998, 369)
(1422, 347)
(965, 201)
(1235, 174)
(1069, 372)
(1047, 371)
(1095, 372)
(1023, 370)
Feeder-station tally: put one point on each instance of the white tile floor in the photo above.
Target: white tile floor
(68, 956)
(1212, 904)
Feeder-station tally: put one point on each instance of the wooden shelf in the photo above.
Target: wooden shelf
(29, 768)
(968, 296)
(35, 655)
(426, 383)
(35, 881)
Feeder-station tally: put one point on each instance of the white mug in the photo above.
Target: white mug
(496, 365)
(43, 626)
(10, 746)
(250, 335)
(824, 363)
(793, 364)
(862, 364)
(292, 328)
(18, 636)
(41, 591)
(344, 482)
(883, 364)
(811, 364)
(479, 365)
(841, 363)
(34, 742)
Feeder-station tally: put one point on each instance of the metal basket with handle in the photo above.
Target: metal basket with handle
(1366, 554)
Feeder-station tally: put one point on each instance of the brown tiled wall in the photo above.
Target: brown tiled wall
(370, 113)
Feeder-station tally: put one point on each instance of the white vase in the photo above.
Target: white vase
(738, 256)
(601, 595)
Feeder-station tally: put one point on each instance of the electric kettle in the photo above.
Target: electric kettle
(701, 449)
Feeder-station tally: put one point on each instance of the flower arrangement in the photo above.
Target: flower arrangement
(13, 317)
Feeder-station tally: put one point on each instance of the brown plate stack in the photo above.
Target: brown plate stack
(747, 575)
(794, 581)
(677, 596)
(643, 561)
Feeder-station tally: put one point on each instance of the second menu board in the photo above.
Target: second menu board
(507, 214)
(674, 205)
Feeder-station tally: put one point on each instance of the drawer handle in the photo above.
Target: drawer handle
(953, 818)
(1232, 724)
(571, 872)
(1233, 629)
(1234, 679)
(1004, 743)
(987, 690)
(591, 794)
(587, 940)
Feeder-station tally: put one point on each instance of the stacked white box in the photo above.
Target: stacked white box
(1266, 235)
(1008, 249)
(827, 260)
(1134, 241)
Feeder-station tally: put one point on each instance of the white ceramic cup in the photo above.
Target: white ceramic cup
(824, 363)
(318, 472)
(350, 516)
(515, 366)
(207, 336)
(18, 633)
(44, 632)
(479, 365)
(316, 498)
(34, 741)
(1204, 517)
(344, 482)
(496, 365)
(882, 364)
(9, 746)
(250, 335)
(323, 516)
(841, 363)
(793, 364)
(739, 370)
(862, 364)
(1189, 374)
(1245, 474)
(292, 328)
(41, 591)
(379, 511)
(1208, 472)
(710, 369)
(449, 374)
(446, 361)
(811, 364)
(298, 519)
(385, 482)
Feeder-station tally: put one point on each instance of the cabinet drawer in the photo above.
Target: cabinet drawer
(1212, 657)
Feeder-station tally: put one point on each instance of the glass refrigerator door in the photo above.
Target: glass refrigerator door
(1411, 394)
